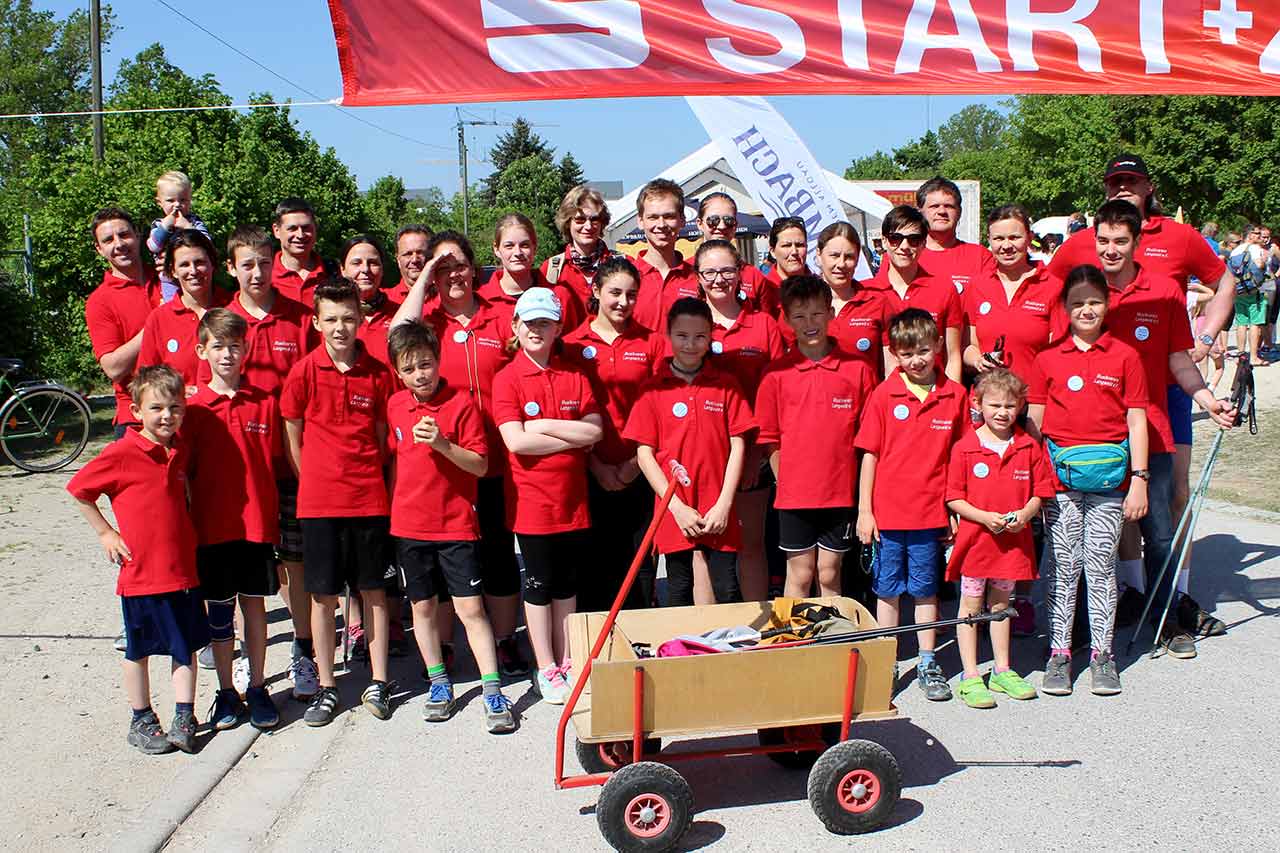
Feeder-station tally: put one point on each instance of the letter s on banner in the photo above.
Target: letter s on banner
(622, 45)
(775, 25)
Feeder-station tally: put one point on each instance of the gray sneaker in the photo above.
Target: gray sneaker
(497, 714)
(933, 682)
(1177, 642)
(121, 644)
(182, 731)
(1057, 676)
(1103, 675)
(146, 734)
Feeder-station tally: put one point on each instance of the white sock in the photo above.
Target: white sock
(1129, 573)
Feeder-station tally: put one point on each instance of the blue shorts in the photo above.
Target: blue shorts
(1180, 414)
(172, 624)
(907, 562)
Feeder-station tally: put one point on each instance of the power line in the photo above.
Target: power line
(136, 110)
(296, 85)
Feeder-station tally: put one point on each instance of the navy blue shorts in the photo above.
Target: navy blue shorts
(170, 623)
(907, 562)
(1180, 414)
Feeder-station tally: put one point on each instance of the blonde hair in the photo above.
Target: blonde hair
(1000, 379)
(174, 178)
(573, 202)
(507, 220)
(161, 380)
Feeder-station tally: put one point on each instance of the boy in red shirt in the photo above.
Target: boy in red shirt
(438, 453)
(235, 435)
(334, 405)
(996, 480)
(694, 413)
(118, 307)
(808, 408)
(144, 474)
(278, 335)
(907, 430)
(665, 275)
(297, 268)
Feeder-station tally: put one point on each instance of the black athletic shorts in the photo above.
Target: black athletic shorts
(497, 542)
(800, 530)
(289, 548)
(345, 552)
(427, 569)
(551, 564)
(228, 569)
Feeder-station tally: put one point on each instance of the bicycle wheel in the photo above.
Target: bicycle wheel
(44, 429)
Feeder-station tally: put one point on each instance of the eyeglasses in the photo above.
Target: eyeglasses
(583, 218)
(915, 241)
(727, 273)
(714, 221)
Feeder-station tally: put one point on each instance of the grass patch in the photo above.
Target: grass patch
(1248, 469)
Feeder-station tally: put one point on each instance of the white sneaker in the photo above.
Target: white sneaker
(552, 686)
(240, 674)
(306, 681)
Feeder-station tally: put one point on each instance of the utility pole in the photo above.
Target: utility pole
(95, 52)
(462, 159)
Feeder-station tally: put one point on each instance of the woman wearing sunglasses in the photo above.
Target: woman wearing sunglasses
(906, 285)
(718, 220)
(581, 218)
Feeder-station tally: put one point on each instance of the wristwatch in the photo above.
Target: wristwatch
(1207, 340)
(1141, 474)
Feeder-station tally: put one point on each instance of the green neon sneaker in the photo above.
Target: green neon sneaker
(1011, 684)
(974, 693)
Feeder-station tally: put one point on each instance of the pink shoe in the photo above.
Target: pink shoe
(1024, 624)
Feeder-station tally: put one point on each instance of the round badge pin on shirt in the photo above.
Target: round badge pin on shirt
(1075, 383)
(588, 352)
(680, 410)
(864, 344)
(1142, 333)
(532, 409)
(717, 347)
(984, 308)
(901, 412)
(172, 346)
(460, 336)
(981, 470)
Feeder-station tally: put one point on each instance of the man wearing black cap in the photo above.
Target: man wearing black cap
(1172, 249)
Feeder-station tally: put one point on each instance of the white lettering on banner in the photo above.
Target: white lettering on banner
(751, 143)
(1227, 19)
(916, 38)
(1024, 24)
(1151, 35)
(853, 35)
(616, 41)
(775, 25)
(1269, 62)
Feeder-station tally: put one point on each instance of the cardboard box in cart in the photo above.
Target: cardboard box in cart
(731, 691)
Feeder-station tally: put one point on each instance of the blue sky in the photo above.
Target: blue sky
(616, 139)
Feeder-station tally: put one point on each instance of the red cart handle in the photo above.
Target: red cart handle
(679, 476)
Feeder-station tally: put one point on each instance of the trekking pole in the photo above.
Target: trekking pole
(346, 633)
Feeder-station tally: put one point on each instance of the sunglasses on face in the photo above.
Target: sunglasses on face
(727, 273)
(895, 239)
(714, 221)
(584, 218)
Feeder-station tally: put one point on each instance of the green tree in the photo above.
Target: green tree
(531, 186)
(975, 128)
(570, 173)
(874, 167)
(920, 158)
(516, 144)
(387, 209)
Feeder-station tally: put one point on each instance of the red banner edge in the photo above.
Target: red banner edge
(346, 57)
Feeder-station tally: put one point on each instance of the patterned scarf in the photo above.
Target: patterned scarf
(587, 264)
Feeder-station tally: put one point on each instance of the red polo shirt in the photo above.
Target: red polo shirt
(115, 312)
(571, 277)
(572, 309)
(618, 372)
(434, 500)
(1150, 315)
(1001, 484)
(935, 295)
(272, 345)
(1087, 393)
(470, 357)
(234, 443)
(1165, 247)
(341, 473)
(169, 337)
(293, 285)
(810, 410)
(912, 441)
(964, 264)
(1024, 321)
(375, 325)
(545, 494)
(760, 292)
(747, 348)
(859, 327)
(692, 422)
(147, 485)
(657, 295)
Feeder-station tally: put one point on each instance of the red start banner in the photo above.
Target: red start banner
(440, 51)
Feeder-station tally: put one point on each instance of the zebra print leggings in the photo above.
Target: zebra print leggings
(1083, 531)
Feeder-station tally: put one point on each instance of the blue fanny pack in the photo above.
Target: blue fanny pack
(1090, 467)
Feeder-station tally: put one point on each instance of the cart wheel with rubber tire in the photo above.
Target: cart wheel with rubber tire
(610, 755)
(854, 787)
(644, 807)
(801, 759)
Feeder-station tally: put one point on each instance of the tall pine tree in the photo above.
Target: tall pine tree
(516, 144)
(570, 173)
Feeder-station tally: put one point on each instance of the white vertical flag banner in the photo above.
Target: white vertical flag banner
(773, 164)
